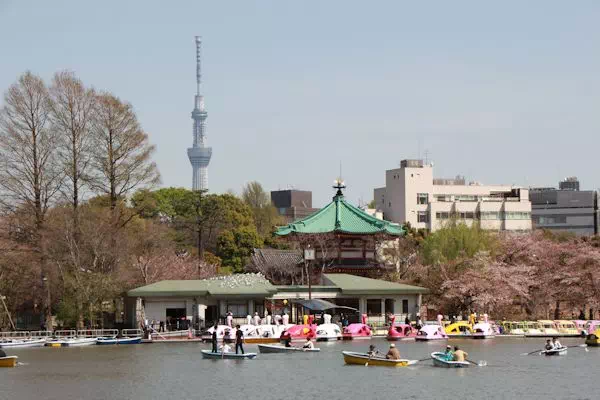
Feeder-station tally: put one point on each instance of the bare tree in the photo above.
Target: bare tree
(72, 106)
(122, 153)
(30, 175)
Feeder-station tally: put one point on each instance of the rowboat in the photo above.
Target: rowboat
(555, 352)
(72, 342)
(440, 361)
(110, 340)
(227, 356)
(269, 348)
(593, 339)
(8, 362)
(351, 357)
(12, 344)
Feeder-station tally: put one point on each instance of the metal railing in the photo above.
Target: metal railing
(131, 332)
(65, 333)
(98, 333)
(14, 335)
(40, 334)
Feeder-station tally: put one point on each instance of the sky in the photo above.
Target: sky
(503, 93)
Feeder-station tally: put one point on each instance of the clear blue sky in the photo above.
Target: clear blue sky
(502, 93)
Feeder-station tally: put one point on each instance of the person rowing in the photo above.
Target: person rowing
(448, 355)
(373, 351)
(549, 345)
(556, 343)
(460, 355)
(308, 344)
(393, 353)
(287, 340)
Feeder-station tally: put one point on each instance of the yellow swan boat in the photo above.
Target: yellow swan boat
(593, 339)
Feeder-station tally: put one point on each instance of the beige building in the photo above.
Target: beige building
(411, 194)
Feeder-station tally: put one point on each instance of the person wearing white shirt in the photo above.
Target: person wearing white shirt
(308, 344)
(225, 348)
(556, 343)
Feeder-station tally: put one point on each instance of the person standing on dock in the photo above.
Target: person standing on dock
(214, 339)
(286, 318)
(239, 339)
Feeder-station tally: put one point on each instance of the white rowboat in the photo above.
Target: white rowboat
(267, 348)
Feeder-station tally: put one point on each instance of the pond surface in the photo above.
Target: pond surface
(177, 371)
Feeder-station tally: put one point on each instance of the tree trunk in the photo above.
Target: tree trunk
(557, 310)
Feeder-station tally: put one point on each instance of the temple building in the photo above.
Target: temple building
(344, 237)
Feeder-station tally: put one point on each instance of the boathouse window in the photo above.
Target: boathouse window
(404, 306)
(238, 310)
(423, 216)
(373, 306)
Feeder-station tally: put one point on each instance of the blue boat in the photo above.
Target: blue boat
(112, 340)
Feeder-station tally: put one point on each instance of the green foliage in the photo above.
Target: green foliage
(372, 204)
(235, 246)
(265, 215)
(66, 311)
(456, 241)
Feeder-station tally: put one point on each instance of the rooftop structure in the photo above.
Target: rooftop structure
(566, 209)
(293, 204)
(199, 154)
(411, 194)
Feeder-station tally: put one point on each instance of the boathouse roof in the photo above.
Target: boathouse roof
(242, 285)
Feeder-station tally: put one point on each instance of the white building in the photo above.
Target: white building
(411, 194)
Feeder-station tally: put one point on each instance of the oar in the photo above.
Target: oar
(425, 359)
(481, 363)
(579, 345)
(535, 351)
(367, 363)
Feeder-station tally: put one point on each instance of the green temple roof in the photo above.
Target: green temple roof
(341, 217)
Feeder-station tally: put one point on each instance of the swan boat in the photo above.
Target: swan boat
(357, 331)
(431, 332)
(327, 332)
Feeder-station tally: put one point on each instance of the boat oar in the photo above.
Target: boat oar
(367, 363)
(481, 363)
(533, 352)
(579, 345)
(425, 359)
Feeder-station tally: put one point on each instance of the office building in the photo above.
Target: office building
(566, 209)
(411, 194)
(293, 204)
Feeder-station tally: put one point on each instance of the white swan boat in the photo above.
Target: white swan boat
(483, 330)
(326, 332)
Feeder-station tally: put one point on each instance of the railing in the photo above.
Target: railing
(65, 333)
(131, 332)
(98, 333)
(14, 335)
(40, 334)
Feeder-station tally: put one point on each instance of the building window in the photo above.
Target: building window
(466, 215)
(422, 216)
(551, 220)
(521, 215)
(373, 307)
(487, 215)
(465, 197)
(442, 215)
(443, 198)
(404, 306)
(422, 198)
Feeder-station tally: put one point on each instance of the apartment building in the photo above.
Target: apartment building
(411, 194)
(566, 209)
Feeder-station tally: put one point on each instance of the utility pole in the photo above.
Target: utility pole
(309, 255)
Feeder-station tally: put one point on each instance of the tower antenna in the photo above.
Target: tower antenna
(198, 68)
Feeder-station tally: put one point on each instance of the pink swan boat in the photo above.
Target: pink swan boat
(431, 332)
(300, 332)
(357, 331)
(400, 331)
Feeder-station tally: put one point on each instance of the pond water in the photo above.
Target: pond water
(177, 371)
